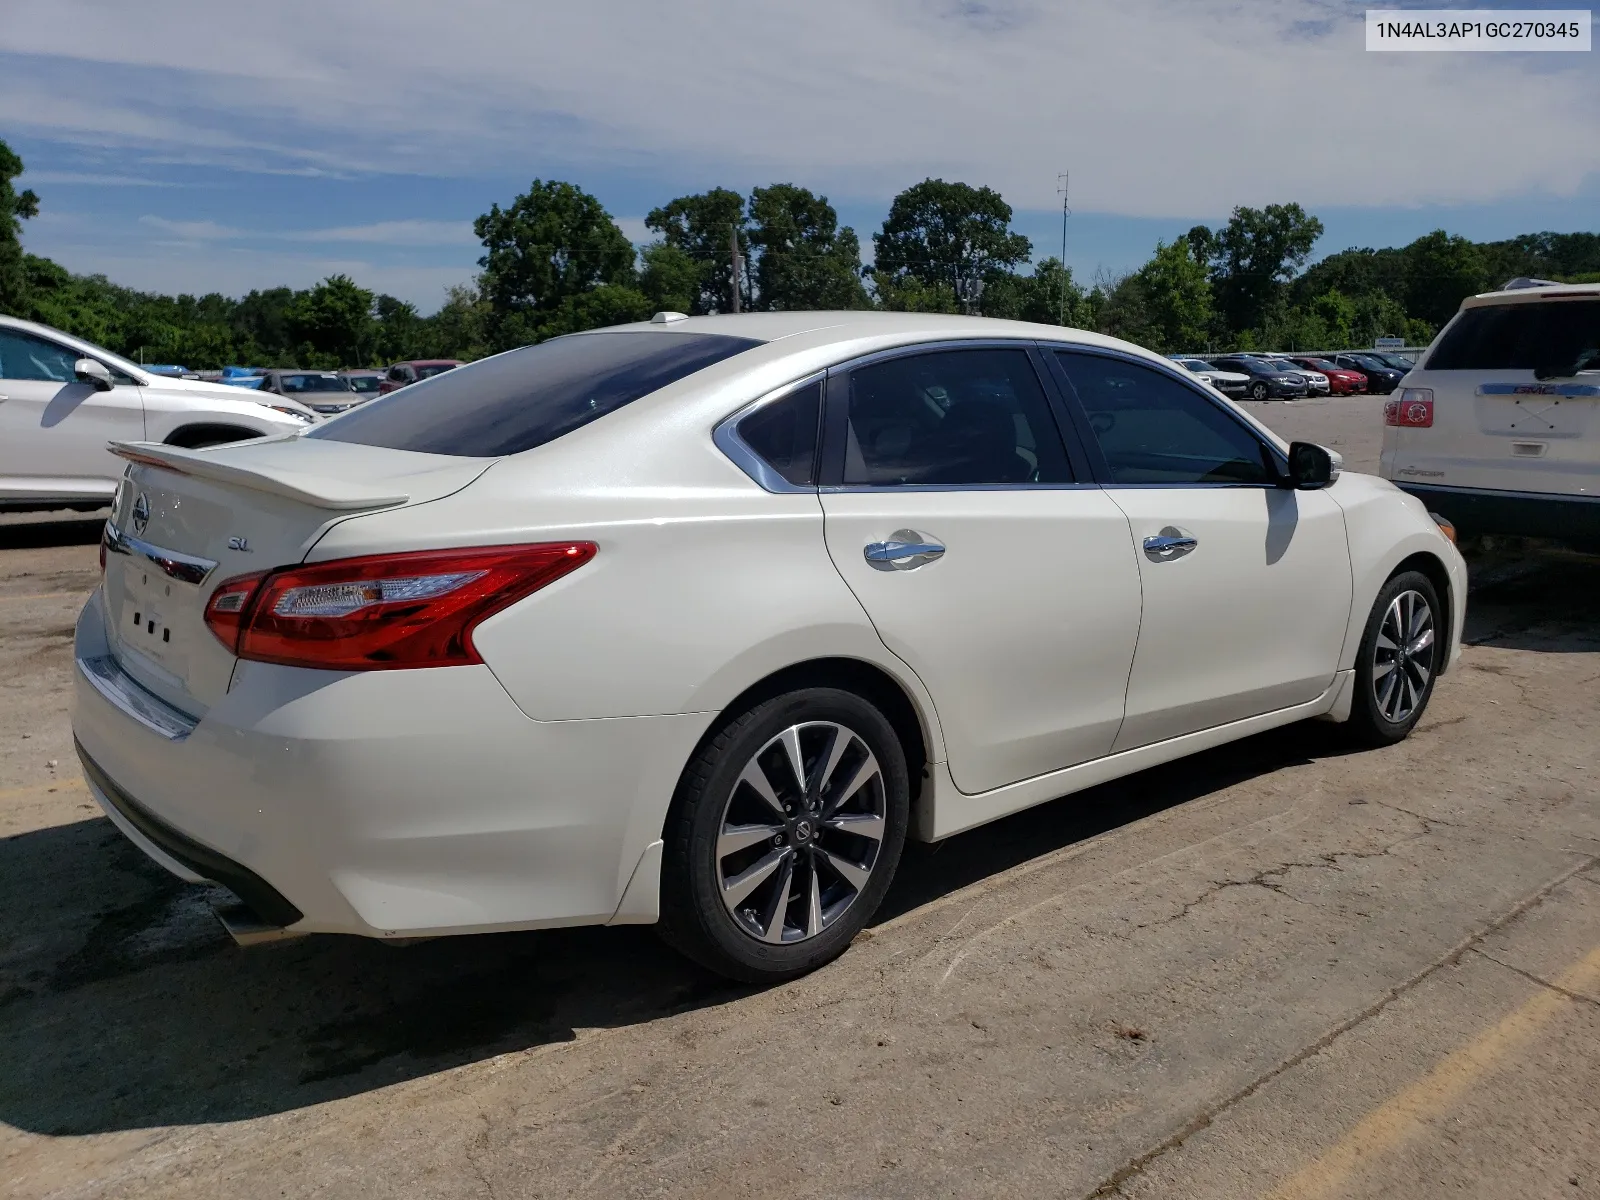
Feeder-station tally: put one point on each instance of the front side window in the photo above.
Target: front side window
(23, 356)
(952, 418)
(783, 434)
(1154, 429)
(525, 398)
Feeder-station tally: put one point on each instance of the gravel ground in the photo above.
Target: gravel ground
(1278, 968)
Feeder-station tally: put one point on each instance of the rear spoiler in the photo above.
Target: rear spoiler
(318, 491)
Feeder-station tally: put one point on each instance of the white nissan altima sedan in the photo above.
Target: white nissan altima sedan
(696, 621)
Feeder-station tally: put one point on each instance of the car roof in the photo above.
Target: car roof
(820, 328)
(1533, 295)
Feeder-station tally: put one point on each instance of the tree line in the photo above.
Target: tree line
(556, 262)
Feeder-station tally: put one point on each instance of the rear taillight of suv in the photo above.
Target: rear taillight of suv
(1414, 409)
(382, 611)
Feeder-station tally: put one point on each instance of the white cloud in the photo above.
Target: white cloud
(394, 233)
(635, 230)
(193, 231)
(63, 178)
(379, 233)
(1158, 107)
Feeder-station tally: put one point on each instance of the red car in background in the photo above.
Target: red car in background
(402, 373)
(1341, 380)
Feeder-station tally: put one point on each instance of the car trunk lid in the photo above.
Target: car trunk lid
(185, 521)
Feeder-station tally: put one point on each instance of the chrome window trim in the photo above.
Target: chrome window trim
(726, 437)
(875, 488)
(185, 568)
(128, 696)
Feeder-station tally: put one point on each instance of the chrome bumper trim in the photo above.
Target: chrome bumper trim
(123, 692)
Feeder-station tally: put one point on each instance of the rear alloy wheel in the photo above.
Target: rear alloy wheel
(784, 836)
(1399, 659)
(1258, 390)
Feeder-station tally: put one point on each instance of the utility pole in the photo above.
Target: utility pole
(1065, 213)
(738, 263)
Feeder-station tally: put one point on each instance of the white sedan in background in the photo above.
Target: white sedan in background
(62, 399)
(1229, 383)
(696, 621)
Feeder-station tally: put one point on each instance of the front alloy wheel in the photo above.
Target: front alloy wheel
(784, 835)
(1399, 660)
(1402, 656)
(1258, 391)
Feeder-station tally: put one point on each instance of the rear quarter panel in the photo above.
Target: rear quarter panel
(699, 590)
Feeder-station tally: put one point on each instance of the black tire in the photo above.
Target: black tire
(711, 800)
(1258, 390)
(1391, 695)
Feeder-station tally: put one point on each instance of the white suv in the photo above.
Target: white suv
(62, 399)
(1498, 426)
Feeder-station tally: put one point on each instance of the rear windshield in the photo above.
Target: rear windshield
(1520, 337)
(527, 397)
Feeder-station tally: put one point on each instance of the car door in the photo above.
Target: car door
(1246, 584)
(54, 429)
(994, 568)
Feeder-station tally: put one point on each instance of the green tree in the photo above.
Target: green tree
(397, 328)
(804, 260)
(948, 235)
(15, 207)
(670, 278)
(702, 227)
(1441, 271)
(608, 304)
(552, 243)
(1176, 298)
(1252, 257)
(1049, 296)
(332, 322)
(1123, 309)
(460, 329)
(908, 293)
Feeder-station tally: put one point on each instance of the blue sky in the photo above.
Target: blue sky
(181, 146)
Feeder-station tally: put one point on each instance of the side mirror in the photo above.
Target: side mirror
(90, 370)
(1312, 466)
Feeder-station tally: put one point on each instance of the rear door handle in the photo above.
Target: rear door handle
(905, 550)
(1169, 544)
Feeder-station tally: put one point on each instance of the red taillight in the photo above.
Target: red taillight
(1414, 409)
(384, 610)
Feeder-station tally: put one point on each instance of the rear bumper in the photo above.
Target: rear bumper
(391, 803)
(1474, 511)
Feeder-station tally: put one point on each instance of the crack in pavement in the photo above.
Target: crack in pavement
(1112, 1184)
(1326, 862)
(1539, 979)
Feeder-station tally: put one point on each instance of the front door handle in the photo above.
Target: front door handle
(905, 550)
(1169, 544)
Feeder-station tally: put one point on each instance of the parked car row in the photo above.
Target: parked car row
(1273, 376)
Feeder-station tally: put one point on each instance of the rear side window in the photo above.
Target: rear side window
(952, 418)
(525, 398)
(783, 434)
(1520, 337)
